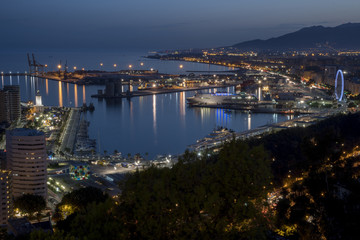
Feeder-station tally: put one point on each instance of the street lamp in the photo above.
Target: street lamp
(59, 67)
(181, 66)
(130, 66)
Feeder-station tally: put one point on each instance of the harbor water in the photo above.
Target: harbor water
(156, 124)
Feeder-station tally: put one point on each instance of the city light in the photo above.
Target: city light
(181, 66)
(115, 65)
(59, 66)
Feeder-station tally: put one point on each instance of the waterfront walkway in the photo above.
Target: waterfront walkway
(303, 121)
(68, 137)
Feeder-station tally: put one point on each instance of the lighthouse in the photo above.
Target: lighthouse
(39, 107)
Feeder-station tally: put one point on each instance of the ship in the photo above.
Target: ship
(241, 101)
(216, 137)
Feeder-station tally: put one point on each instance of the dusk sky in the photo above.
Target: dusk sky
(160, 24)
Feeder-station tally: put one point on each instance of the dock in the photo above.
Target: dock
(303, 121)
(160, 91)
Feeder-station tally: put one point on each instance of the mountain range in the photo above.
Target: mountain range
(342, 37)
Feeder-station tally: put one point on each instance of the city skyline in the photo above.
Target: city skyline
(160, 24)
(179, 119)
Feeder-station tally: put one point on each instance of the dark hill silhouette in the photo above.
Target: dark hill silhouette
(345, 36)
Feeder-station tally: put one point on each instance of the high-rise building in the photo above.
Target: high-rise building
(10, 109)
(26, 159)
(5, 196)
(4, 107)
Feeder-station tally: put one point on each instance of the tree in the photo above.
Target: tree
(351, 105)
(4, 235)
(78, 200)
(215, 196)
(30, 204)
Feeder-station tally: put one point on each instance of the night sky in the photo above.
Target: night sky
(160, 24)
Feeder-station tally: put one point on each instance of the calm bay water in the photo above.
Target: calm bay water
(158, 124)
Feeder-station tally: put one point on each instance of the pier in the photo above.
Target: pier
(160, 91)
(303, 121)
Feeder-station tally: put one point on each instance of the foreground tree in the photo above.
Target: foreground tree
(78, 200)
(30, 204)
(212, 197)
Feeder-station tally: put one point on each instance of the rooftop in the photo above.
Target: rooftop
(25, 132)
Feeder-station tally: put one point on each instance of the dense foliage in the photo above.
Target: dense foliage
(212, 197)
(30, 204)
(77, 201)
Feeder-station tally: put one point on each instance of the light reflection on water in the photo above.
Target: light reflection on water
(60, 95)
(47, 86)
(157, 124)
(84, 94)
(76, 95)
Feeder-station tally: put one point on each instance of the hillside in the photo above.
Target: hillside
(345, 36)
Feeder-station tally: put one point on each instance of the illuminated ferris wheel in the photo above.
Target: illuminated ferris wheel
(339, 86)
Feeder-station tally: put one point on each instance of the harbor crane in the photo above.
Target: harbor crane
(35, 68)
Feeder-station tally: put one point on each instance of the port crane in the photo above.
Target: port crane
(35, 68)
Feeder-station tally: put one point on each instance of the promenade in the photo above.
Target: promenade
(68, 136)
(303, 121)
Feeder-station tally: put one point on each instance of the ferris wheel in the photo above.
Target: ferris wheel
(339, 89)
